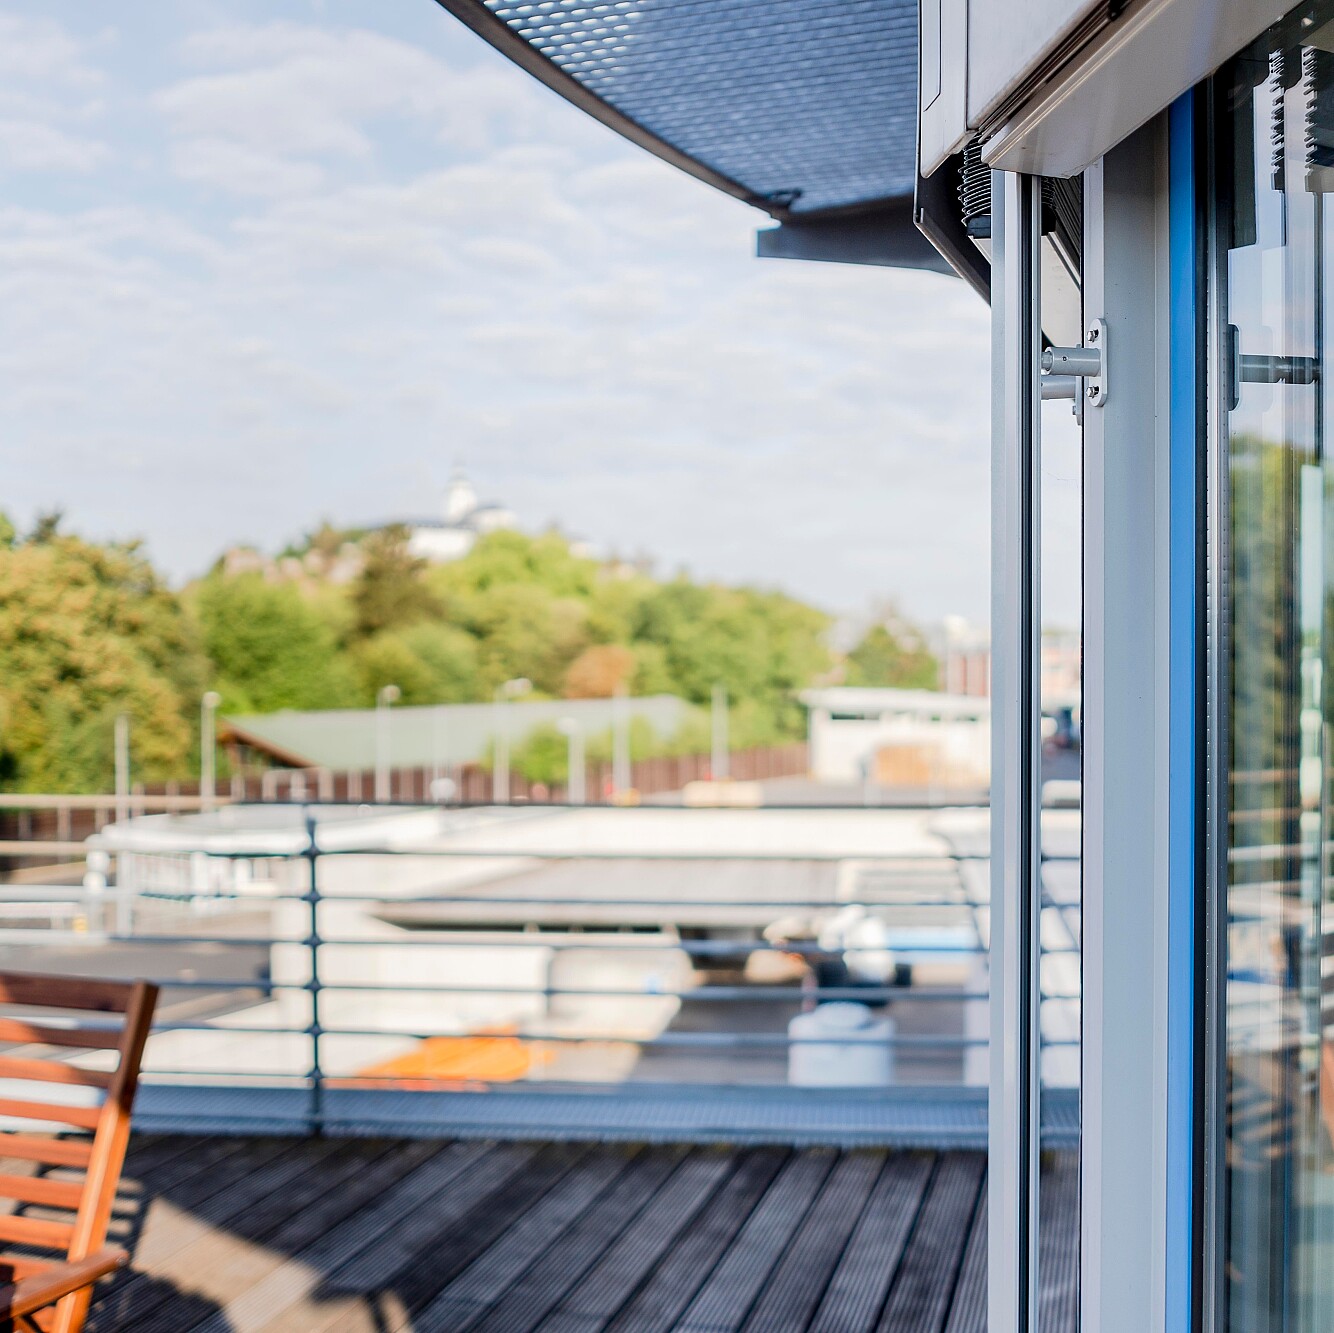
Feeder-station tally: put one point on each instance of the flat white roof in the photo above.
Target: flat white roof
(867, 702)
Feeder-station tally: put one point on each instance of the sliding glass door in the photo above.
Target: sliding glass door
(1273, 228)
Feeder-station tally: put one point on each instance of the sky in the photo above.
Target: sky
(263, 264)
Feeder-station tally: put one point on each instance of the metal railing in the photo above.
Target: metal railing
(494, 959)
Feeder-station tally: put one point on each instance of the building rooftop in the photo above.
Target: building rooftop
(873, 701)
(251, 1234)
(344, 739)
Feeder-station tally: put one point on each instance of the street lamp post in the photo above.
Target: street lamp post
(384, 700)
(508, 692)
(122, 766)
(620, 743)
(720, 763)
(208, 755)
(576, 792)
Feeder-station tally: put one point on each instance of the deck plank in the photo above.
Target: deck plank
(725, 1299)
(968, 1310)
(688, 1264)
(194, 1250)
(368, 1295)
(612, 1281)
(295, 1278)
(794, 1288)
(923, 1288)
(325, 1199)
(860, 1283)
(377, 1236)
(470, 1294)
(566, 1260)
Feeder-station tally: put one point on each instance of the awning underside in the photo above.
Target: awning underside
(802, 107)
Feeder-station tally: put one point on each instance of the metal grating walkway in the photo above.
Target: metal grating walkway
(899, 1117)
(269, 1235)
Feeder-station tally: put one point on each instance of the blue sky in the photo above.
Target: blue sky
(262, 264)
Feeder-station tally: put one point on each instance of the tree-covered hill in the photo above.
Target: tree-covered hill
(89, 631)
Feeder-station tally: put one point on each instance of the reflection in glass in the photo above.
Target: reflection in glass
(1274, 154)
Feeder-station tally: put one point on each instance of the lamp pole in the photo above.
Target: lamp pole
(122, 766)
(576, 792)
(720, 763)
(620, 743)
(506, 693)
(208, 755)
(384, 700)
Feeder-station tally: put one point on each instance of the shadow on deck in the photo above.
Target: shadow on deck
(353, 1235)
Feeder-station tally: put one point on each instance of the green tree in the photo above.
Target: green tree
(506, 557)
(431, 664)
(390, 592)
(88, 632)
(762, 645)
(270, 648)
(543, 756)
(893, 653)
(451, 656)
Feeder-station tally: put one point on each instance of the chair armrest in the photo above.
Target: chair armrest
(48, 1286)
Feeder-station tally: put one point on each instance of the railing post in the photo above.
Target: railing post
(315, 1119)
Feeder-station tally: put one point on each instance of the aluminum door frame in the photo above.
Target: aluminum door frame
(1133, 828)
(1129, 819)
(1015, 1110)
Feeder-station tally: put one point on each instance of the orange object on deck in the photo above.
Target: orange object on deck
(483, 1058)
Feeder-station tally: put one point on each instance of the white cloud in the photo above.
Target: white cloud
(37, 50)
(355, 257)
(46, 84)
(295, 91)
(30, 145)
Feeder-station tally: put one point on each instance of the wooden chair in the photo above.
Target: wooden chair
(51, 1292)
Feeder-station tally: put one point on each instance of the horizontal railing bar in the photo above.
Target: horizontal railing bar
(556, 940)
(727, 1040)
(317, 802)
(449, 900)
(721, 994)
(924, 859)
(909, 993)
(64, 893)
(223, 1079)
(136, 803)
(27, 848)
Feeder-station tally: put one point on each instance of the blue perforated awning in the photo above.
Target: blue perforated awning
(804, 108)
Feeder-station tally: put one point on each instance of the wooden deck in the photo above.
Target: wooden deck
(234, 1235)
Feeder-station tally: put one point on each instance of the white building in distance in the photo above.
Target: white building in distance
(901, 738)
(465, 520)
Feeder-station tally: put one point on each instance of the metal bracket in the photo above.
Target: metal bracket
(1064, 367)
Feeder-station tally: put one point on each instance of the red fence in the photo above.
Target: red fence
(473, 784)
(73, 818)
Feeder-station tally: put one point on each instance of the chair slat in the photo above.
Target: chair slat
(34, 988)
(91, 1039)
(40, 1190)
(36, 1231)
(53, 1071)
(51, 1152)
(14, 1267)
(56, 1300)
(81, 1117)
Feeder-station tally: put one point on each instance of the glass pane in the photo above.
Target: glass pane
(1060, 696)
(1274, 149)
